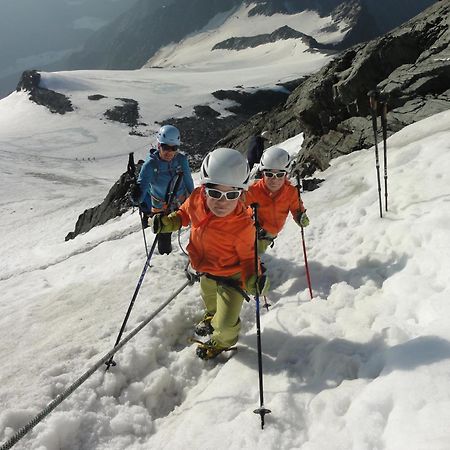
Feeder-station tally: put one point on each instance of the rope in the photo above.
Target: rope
(60, 397)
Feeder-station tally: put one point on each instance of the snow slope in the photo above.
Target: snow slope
(196, 50)
(363, 365)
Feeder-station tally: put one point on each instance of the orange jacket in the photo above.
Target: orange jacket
(274, 207)
(221, 246)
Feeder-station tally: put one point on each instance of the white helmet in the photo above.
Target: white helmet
(275, 158)
(225, 166)
(169, 135)
(265, 135)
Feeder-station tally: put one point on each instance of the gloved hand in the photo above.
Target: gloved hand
(302, 219)
(135, 193)
(161, 223)
(256, 285)
(156, 223)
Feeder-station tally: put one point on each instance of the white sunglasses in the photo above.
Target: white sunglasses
(218, 195)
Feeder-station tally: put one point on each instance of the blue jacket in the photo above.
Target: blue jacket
(157, 178)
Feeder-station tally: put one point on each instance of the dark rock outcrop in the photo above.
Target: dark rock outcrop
(411, 65)
(205, 111)
(54, 101)
(115, 204)
(249, 103)
(127, 113)
(96, 97)
(283, 33)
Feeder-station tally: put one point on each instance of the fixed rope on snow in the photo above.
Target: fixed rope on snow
(61, 397)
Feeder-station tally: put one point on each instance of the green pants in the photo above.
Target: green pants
(224, 303)
(263, 244)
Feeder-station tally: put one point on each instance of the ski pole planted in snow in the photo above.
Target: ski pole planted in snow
(144, 270)
(262, 411)
(384, 127)
(373, 100)
(305, 257)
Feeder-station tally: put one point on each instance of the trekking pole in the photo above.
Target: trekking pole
(144, 270)
(384, 127)
(131, 169)
(262, 411)
(111, 362)
(305, 257)
(373, 110)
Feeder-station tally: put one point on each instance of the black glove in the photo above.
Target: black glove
(135, 193)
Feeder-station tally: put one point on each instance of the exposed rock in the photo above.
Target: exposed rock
(292, 84)
(115, 204)
(205, 111)
(199, 135)
(283, 33)
(311, 184)
(96, 97)
(54, 101)
(127, 113)
(249, 103)
(202, 133)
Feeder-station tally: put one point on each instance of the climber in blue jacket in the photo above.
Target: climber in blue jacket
(157, 180)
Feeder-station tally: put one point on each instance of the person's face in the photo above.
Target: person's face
(274, 179)
(167, 152)
(222, 206)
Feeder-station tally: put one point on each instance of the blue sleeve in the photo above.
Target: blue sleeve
(145, 178)
(187, 177)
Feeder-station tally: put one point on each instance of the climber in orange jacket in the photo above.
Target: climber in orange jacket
(221, 246)
(276, 197)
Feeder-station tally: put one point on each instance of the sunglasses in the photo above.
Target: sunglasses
(217, 195)
(273, 174)
(169, 148)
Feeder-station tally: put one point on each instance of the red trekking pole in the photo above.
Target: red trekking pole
(308, 277)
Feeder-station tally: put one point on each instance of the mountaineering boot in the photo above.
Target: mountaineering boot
(209, 350)
(204, 327)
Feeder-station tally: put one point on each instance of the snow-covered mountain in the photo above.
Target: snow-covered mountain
(38, 34)
(149, 26)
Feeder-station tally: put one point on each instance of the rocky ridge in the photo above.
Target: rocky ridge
(56, 102)
(282, 33)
